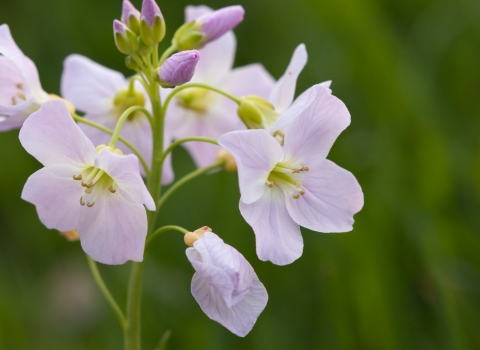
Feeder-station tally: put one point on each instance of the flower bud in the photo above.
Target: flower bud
(206, 28)
(152, 24)
(71, 236)
(191, 237)
(125, 39)
(229, 162)
(256, 112)
(131, 16)
(178, 69)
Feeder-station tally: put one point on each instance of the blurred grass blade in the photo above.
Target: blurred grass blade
(162, 345)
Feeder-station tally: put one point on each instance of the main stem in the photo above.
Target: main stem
(133, 329)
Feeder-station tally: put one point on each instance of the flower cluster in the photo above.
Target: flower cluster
(103, 171)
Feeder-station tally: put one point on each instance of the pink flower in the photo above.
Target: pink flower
(225, 285)
(102, 94)
(284, 187)
(20, 91)
(179, 68)
(200, 112)
(215, 24)
(101, 195)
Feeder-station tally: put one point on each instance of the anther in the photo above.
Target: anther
(90, 204)
(111, 189)
(302, 191)
(304, 168)
(19, 86)
(82, 203)
(295, 196)
(77, 177)
(14, 101)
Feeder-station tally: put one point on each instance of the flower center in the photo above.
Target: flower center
(19, 96)
(96, 182)
(195, 99)
(287, 176)
(127, 98)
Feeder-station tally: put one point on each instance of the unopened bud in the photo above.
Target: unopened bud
(178, 69)
(152, 23)
(131, 16)
(229, 162)
(70, 236)
(191, 237)
(256, 112)
(70, 106)
(131, 64)
(126, 40)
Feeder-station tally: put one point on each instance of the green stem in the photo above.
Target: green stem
(121, 138)
(132, 330)
(186, 179)
(106, 293)
(166, 54)
(163, 229)
(187, 139)
(197, 85)
(123, 118)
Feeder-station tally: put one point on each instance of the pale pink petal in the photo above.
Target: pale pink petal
(278, 237)
(252, 79)
(284, 90)
(332, 197)
(326, 84)
(193, 12)
(10, 80)
(310, 137)
(90, 86)
(51, 136)
(16, 114)
(56, 198)
(113, 231)
(298, 106)
(256, 153)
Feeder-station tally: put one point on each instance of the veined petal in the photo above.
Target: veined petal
(90, 86)
(51, 136)
(284, 90)
(310, 137)
(298, 106)
(252, 79)
(332, 197)
(113, 231)
(256, 153)
(56, 199)
(278, 237)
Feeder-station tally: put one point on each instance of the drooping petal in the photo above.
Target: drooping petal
(256, 153)
(278, 237)
(252, 79)
(90, 86)
(56, 199)
(113, 231)
(284, 90)
(51, 136)
(332, 197)
(310, 137)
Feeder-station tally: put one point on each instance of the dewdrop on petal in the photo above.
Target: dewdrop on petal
(191, 237)
(229, 162)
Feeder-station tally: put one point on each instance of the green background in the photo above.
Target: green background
(406, 277)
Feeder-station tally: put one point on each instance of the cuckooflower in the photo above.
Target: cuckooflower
(178, 69)
(20, 91)
(225, 285)
(103, 94)
(99, 192)
(284, 187)
(201, 112)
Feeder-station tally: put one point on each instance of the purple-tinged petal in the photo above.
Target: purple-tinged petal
(16, 114)
(219, 22)
(113, 231)
(256, 153)
(90, 86)
(129, 10)
(150, 10)
(11, 79)
(193, 12)
(56, 199)
(51, 136)
(119, 27)
(278, 236)
(179, 68)
(332, 197)
(284, 91)
(326, 84)
(310, 137)
(252, 79)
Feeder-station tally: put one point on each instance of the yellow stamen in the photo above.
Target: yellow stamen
(77, 177)
(82, 203)
(111, 189)
(90, 204)
(295, 196)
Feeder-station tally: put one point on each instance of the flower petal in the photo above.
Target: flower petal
(256, 153)
(284, 90)
(193, 12)
(310, 137)
(90, 86)
(278, 237)
(51, 136)
(113, 231)
(252, 79)
(56, 199)
(10, 80)
(332, 197)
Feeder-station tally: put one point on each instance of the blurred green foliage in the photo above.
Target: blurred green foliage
(407, 277)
